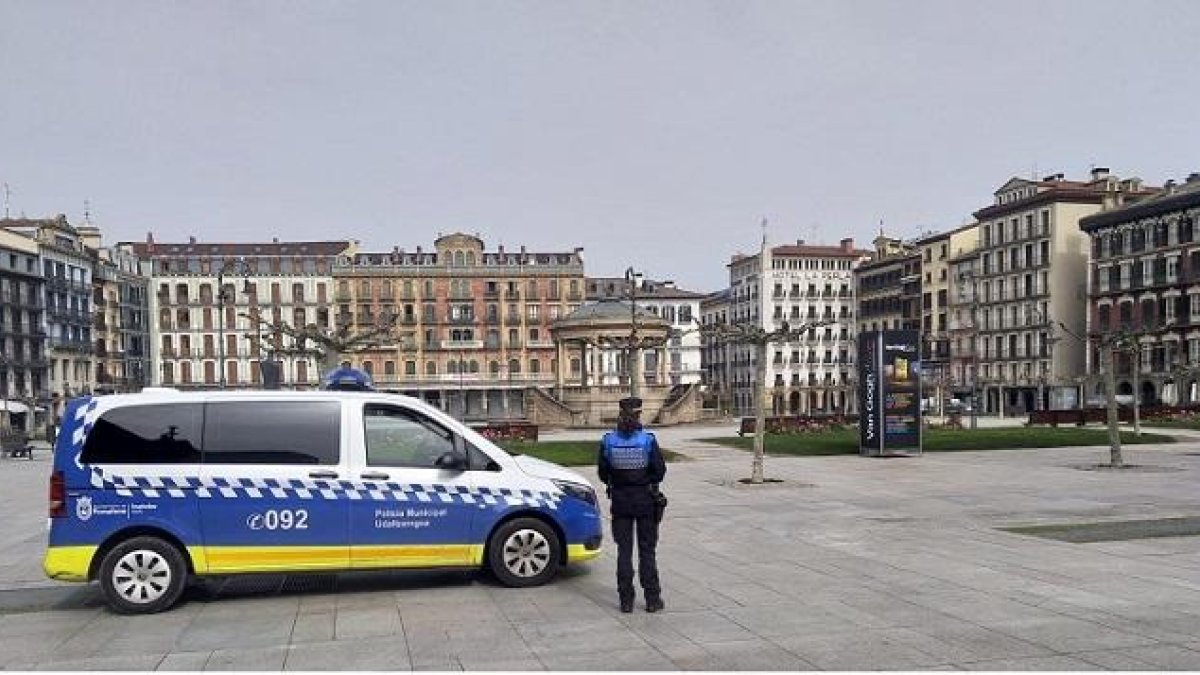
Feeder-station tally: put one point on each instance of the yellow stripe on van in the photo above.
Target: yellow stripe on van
(68, 563)
(578, 553)
(435, 555)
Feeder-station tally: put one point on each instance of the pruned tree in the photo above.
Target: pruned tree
(751, 334)
(328, 347)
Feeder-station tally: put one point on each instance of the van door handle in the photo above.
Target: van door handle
(374, 475)
(322, 474)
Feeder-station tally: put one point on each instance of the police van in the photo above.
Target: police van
(150, 489)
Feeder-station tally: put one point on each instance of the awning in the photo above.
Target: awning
(14, 406)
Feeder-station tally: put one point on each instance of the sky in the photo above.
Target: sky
(656, 135)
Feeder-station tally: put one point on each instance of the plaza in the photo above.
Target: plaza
(848, 563)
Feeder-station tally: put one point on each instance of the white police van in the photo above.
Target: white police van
(148, 489)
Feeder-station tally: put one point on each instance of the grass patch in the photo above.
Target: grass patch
(566, 453)
(1172, 424)
(845, 441)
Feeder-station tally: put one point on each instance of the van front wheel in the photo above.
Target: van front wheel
(142, 576)
(524, 552)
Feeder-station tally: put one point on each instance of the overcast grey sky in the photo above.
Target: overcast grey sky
(653, 134)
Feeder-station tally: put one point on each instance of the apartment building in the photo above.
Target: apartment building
(67, 267)
(714, 354)
(120, 324)
(1145, 282)
(474, 325)
(963, 309)
(24, 380)
(888, 287)
(794, 285)
(1030, 245)
(937, 282)
(194, 325)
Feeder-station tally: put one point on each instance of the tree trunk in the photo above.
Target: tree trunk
(1110, 389)
(760, 423)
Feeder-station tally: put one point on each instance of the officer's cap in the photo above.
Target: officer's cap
(630, 404)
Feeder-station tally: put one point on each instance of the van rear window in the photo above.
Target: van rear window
(146, 434)
(273, 432)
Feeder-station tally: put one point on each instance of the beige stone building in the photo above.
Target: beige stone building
(937, 283)
(1032, 278)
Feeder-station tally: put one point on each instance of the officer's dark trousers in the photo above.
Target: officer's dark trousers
(647, 539)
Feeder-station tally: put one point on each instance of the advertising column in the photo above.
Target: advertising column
(900, 350)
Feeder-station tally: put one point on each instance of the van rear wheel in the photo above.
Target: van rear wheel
(143, 575)
(524, 552)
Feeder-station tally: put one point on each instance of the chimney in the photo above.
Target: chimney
(1193, 177)
(191, 240)
(799, 242)
(847, 244)
(1099, 172)
(1169, 187)
(274, 240)
(500, 250)
(149, 237)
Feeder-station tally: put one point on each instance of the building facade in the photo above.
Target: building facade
(474, 325)
(1145, 282)
(678, 307)
(714, 354)
(265, 284)
(794, 285)
(1030, 244)
(24, 380)
(888, 287)
(963, 310)
(67, 266)
(120, 325)
(937, 282)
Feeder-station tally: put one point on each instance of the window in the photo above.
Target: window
(273, 432)
(403, 438)
(159, 434)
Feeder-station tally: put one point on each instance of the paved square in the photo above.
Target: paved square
(849, 564)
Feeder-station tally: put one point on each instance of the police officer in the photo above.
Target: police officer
(631, 466)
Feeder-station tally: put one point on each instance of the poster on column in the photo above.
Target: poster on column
(870, 422)
(900, 356)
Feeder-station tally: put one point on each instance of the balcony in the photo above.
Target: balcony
(462, 344)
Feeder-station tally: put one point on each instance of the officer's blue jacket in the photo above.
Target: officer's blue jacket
(629, 464)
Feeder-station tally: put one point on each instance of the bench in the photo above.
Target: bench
(15, 445)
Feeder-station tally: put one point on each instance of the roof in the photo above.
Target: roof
(608, 310)
(806, 250)
(650, 290)
(58, 222)
(929, 239)
(1185, 196)
(150, 249)
(1075, 192)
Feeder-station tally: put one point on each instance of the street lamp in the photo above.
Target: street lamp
(632, 279)
(229, 265)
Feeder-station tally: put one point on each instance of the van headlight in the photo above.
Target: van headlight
(577, 490)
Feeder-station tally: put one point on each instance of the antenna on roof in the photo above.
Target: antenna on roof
(764, 230)
(87, 212)
(7, 195)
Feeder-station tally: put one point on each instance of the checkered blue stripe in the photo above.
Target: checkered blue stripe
(270, 488)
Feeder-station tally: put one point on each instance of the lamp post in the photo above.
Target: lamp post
(245, 271)
(632, 279)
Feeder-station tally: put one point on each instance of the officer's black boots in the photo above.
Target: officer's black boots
(654, 605)
(627, 606)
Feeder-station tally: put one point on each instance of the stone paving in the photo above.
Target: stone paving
(850, 563)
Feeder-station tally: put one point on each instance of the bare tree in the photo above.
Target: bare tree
(750, 334)
(328, 347)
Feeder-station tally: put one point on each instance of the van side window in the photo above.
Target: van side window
(273, 432)
(146, 434)
(404, 438)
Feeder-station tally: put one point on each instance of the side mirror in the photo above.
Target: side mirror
(452, 461)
